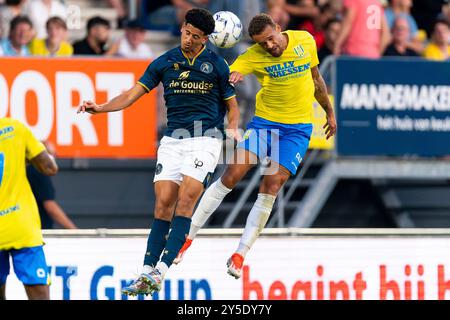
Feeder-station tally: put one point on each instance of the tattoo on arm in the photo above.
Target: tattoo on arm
(320, 92)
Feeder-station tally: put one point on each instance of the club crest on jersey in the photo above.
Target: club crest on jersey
(176, 66)
(184, 75)
(206, 67)
(299, 50)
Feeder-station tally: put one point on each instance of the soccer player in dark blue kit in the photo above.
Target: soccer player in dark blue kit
(198, 94)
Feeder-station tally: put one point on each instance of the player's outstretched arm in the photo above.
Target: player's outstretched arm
(321, 96)
(233, 119)
(45, 163)
(122, 101)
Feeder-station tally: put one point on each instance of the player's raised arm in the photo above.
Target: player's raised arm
(233, 119)
(321, 96)
(122, 101)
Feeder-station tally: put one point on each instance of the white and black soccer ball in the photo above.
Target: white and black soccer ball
(228, 30)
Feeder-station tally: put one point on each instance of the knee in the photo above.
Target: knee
(185, 205)
(44, 293)
(272, 186)
(163, 209)
(231, 177)
(2, 292)
(38, 292)
(229, 181)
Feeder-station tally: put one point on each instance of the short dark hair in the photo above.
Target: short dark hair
(201, 19)
(135, 24)
(330, 22)
(18, 20)
(259, 23)
(57, 21)
(13, 2)
(325, 7)
(97, 20)
(440, 19)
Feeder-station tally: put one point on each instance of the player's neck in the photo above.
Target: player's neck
(193, 54)
(52, 46)
(286, 41)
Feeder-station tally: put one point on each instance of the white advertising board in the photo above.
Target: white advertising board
(297, 267)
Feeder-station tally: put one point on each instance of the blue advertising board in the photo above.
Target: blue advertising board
(392, 107)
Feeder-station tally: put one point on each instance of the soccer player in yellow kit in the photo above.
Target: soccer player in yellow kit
(286, 66)
(20, 225)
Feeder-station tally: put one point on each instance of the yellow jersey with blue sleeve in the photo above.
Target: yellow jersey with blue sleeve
(20, 225)
(287, 87)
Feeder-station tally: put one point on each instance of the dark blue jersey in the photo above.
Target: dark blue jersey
(43, 190)
(195, 91)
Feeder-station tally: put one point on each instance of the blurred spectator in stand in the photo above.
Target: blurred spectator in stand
(8, 11)
(400, 39)
(316, 26)
(300, 11)
(169, 14)
(96, 41)
(20, 35)
(439, 47)
(40, 11)
(332, 30)
(121, 11)
(425, 13)
(132, 45)
(54, 45)
(397, 7)
(275, 9)
(364, 30)
(44, 192)
(446, 11)
(403, 7)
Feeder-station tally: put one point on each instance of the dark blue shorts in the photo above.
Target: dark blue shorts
(29, 266)
(285, 144)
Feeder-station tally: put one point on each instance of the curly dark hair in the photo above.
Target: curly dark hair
(201, 19)
(259, 23)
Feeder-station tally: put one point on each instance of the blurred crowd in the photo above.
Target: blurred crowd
(39, 28)
(365, 28)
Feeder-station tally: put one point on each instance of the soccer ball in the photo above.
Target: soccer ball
(228, 29)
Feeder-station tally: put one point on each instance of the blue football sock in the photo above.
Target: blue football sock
(177, 237)
(156, 241)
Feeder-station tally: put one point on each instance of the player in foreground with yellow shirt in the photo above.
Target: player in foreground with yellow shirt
(20, 225)
(286, 66)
